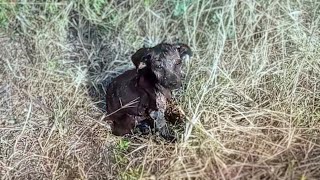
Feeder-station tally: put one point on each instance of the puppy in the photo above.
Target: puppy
(139, 96)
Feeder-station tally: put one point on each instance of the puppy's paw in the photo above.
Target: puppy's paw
(168, 134)
(144, 128)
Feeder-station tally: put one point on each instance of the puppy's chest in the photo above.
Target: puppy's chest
(161, 101)
(156, 102)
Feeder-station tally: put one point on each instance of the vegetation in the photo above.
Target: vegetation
(251, 92)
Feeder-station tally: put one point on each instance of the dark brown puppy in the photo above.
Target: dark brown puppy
(141, 94)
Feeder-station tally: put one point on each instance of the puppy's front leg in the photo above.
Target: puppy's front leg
(161, 125)
(159, 117)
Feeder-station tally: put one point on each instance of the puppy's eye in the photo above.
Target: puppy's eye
(178, 61)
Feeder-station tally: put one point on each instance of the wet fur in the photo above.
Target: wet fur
(139, 96)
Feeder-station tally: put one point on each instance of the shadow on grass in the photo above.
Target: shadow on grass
(102, 53)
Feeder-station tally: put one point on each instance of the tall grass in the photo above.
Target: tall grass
(251, 91)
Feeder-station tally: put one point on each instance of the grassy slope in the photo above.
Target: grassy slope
(252, 91)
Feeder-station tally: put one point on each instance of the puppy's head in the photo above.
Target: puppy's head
(164, 60)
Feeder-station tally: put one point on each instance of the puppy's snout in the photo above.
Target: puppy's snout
(173, 82)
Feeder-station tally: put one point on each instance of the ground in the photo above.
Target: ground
(251, 91)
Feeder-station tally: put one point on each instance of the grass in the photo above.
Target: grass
(251, 93)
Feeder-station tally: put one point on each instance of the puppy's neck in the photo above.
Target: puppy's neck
(147, 76)
(148, 81)
(164, 91)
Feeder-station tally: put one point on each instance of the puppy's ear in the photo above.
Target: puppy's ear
(184, 51)
(140, 58)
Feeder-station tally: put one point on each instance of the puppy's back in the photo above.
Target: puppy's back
(121, 91)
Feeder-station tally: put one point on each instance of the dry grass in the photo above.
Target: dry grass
(252, 89)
